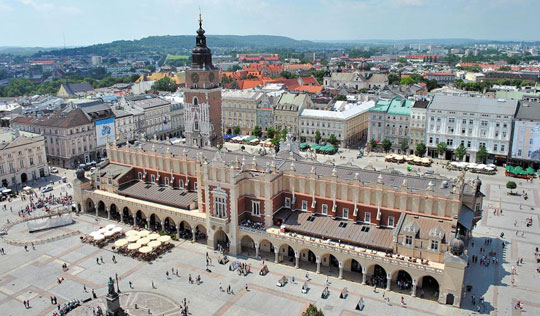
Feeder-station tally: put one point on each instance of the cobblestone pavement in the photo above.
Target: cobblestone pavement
(33, 274)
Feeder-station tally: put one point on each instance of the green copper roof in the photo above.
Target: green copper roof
(399, 106)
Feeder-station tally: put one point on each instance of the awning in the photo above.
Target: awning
(466, 217)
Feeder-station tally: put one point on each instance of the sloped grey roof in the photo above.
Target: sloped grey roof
(528, 111)
(159, 194)
(473, 105)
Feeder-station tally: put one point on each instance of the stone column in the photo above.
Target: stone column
(162, 225)
(109, 213)
(318, 260)
(297, 257)
(388, 281)
(122, 217)
(178, 231)
(364, 275)
(413, 292)
(340, 270)
(276, 253)
(193, 237)
(97, 211)
(256, 244)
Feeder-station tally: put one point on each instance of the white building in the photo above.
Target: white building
(472, 122)
(22, 157)
(348, 122)
(526, 140)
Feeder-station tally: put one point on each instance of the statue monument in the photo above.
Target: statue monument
(113, 300)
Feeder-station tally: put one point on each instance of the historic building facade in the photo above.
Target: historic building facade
(202, 97)
(364, 225)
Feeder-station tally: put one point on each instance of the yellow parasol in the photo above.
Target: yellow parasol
(121, 242)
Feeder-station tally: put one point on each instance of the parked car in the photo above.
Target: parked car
(54, 170)
(47, 188)
(429, 172)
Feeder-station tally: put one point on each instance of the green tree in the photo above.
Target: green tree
(406, 81)
(340, 97)
(386, 145)
(372, 144)
(482, 154)
(275, 142)
(317, 136)
(393, 78)
(511, 185)
(404, 145)
(420, 150)
(287, 74)
(236, 130)
(164, 84)
(441, 148)
(270, 132)
(283, 133)
(332, 139)
(312, 310)
(257, 131)
(460, 152)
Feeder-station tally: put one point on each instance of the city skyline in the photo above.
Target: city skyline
(53, 23)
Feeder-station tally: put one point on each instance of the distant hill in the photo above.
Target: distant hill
(178, 44)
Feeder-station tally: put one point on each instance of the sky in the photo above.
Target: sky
(47, 23)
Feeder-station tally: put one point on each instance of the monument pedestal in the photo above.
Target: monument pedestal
(113, 305)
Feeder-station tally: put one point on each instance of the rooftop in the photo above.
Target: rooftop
(474, 105)
(159, 194)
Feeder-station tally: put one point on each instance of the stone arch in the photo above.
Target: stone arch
(266, 249)
(90, 206)
(201, 234)
(247, 245)
(221, 240)
(378, 275)
(169, 225)
(353, 270)
(154, 222)
(127, 216)
(286, 254)
(308, 259)
(402, 281)
(102, 209)
(114, 212)
(428, 287)
(140, 219)
(185, 229)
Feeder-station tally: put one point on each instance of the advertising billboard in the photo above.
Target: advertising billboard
(105, 129)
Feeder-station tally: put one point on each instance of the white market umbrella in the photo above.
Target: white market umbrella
(132, 238)
(110, 226)
(121, 242)
(109, 233)
(98, 237)
(103, 230)
(164, 238)
(144, 241)
(145, 249)
(134, 246)
(154, 244)
(117, 229)
(153, 236)
(132, 233)
(143, 233)
(94, 233)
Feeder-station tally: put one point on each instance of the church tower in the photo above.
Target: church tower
(202, 96)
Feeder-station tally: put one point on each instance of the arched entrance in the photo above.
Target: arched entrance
(248, 246)
(128, 218)
(401, 282)
(169, 226)
(266, 250)
(140, 219)
(200, 234)
(378, 276)
(286, 254)
(221, 241)
(155, 222)
(185, 230)
(331, 262)
(308, 260)
(352, 270)
(101, 209)
(450, 299)
(90, 206)
(429, 288)
(24, 177)
(114, 213)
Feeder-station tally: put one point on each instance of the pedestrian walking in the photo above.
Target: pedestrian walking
(130, 285)
(247, 287)
(84, 288)
(101, 257)
(153, 285)
(220, 287)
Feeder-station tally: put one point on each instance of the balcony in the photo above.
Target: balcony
(216, 222)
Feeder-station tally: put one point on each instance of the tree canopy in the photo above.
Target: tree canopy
(164, 84)
(460, 152)
(386, 145)
(420, 150)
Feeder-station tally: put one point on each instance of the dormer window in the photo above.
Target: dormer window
(434, 245)
(408, 240)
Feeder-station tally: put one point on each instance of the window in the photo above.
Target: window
(181, 183)
(367, 217)
(167, 181)
(1, 169)
(153, 178)
(345, 212)
(434, 245)
(450, 142)
(391, 221)
(502, 147)
(21, 162)
(196, 126)
(519, 152)
(304, 205)
(195, 186)
(195, 101)
(494, 147)
(408, 240)
(256, 208)
(324, 210)
(451, 120)
(220, 206)
(431, 140)
(31, 161)
(464, 121)
(288, 202)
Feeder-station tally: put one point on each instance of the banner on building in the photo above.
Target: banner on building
(105, 129)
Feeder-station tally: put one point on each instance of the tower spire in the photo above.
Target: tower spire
(200, 18)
